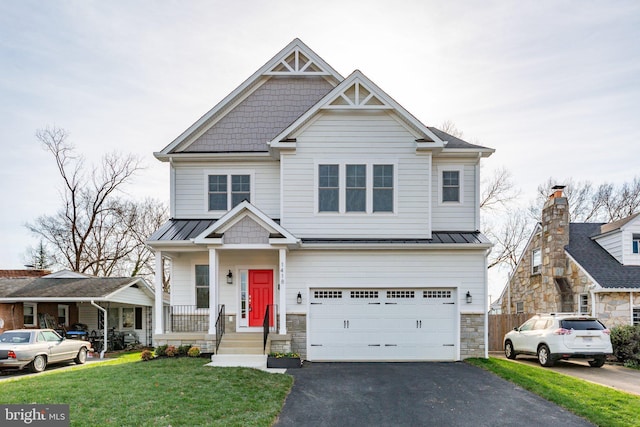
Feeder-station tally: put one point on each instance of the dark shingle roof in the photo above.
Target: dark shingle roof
(603, 267)
(90, 287)
(454, 142)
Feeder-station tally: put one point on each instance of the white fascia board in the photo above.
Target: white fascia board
(205, 157)
(160, 245)
(52, 299)
(613, 290)
(465, 152)
(356, 76)
(295, 44)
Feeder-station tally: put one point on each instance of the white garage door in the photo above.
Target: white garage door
(382, 324)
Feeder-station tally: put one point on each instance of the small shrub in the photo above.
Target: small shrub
(161, 350)
(172, 351)
(626, 344)
(146, 355)
(183, 350)
(194, 351)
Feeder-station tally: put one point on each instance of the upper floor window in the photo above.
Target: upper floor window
(362, 188)
(356, 196)
(220, 198)
(636, 243)
(328, 188)
(383, 188)
(450, 182)
(450, 186)
(536, 261)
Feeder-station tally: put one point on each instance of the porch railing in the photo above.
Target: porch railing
(219, 326)
(187, 318)
(269, 324)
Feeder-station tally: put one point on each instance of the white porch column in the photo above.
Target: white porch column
(283, 292)
(159, 308)
(213, 290)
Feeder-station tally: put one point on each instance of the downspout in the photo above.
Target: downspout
(486, 304)
(104, 325)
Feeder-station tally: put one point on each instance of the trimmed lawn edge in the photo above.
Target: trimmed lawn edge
(599, 404)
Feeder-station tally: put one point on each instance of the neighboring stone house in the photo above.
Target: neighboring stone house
(591, 268)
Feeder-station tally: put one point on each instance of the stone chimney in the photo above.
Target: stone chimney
(555, 236)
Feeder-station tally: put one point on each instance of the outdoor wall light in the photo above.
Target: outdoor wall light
(469, 299)
(230, 278)
(299, 298)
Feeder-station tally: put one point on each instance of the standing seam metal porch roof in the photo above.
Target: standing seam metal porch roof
(177, 230)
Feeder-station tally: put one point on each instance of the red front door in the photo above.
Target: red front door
(260, 295)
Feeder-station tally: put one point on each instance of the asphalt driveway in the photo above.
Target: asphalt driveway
(413, 394)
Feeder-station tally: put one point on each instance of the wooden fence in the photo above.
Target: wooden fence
(500, 324)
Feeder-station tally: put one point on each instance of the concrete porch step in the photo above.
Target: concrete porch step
(240, 350)
(241, 343)
(258, 361)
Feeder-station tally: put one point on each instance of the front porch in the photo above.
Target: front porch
(189, 325)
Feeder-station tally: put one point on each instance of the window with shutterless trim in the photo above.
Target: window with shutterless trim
(219, 196)
(328, 188)
(356, 188)
(382, 188)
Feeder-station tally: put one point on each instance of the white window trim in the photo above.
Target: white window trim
(35, 313)
(521, 304)
(446, 168)
(342, 187)
(535, 270)
(194, 287)
(583, 308)
(228, 173)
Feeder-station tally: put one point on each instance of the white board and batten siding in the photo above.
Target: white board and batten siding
(371, 139)
(385, 305)
(190, 186)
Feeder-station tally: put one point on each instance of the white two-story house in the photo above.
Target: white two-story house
(317, 206)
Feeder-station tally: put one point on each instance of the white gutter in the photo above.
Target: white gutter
(104, 325)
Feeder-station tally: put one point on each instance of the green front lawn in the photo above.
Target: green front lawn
(172, 391)
(601, 405)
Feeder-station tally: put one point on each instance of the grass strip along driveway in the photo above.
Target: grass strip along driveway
(172, 391)
(601, 405)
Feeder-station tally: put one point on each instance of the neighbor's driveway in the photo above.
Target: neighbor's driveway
(413, 394)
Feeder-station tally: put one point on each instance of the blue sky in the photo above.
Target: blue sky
(553, 86)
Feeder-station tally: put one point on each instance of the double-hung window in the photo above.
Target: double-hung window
(636, 316)
(356, 188)
(636, 244)
(220, 198)
(328, 188)
(202, 286)
(450, 186)
(536, 261)
(584, 303)
(30, 314)
(383, 188)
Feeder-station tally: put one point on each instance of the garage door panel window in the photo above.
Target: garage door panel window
(436, 294)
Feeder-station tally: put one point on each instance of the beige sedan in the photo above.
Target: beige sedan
(35, 348)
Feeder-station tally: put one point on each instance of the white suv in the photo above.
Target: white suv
(556, 336)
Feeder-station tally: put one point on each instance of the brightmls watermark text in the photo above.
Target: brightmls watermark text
(34, 415)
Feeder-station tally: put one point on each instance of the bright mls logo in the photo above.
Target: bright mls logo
(34, 415)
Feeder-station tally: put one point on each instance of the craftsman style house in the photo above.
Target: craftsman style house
(591, 268)
(315, 207)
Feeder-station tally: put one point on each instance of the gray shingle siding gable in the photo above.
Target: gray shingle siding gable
(262, 115)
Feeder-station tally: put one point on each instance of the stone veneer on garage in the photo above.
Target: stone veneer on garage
(472, 335)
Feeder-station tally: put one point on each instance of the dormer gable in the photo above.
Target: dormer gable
(622, 239)
(248, 226)
(358, 92)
